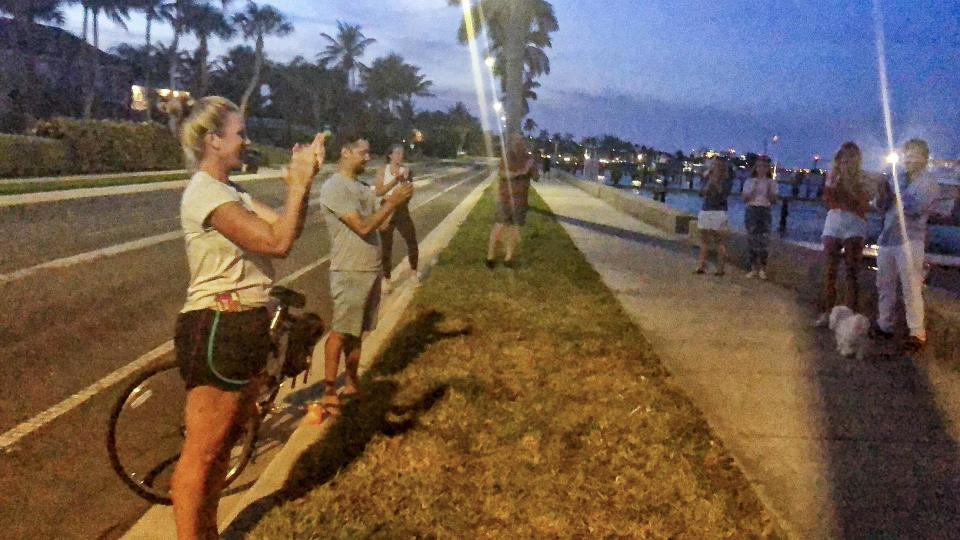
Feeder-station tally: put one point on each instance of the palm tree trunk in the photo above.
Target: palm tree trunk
(91, 93)
(257, 64)
(202, 53)
(149, 71)
(513, 72)
(173, 55)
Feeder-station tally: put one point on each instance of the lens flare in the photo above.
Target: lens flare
(477, 74)
(892, 157)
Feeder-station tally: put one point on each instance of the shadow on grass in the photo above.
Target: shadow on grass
(347, 438)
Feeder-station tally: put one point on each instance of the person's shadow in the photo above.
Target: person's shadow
(348, 437)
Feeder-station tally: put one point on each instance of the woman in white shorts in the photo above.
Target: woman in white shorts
(845, 228)
(712, 222)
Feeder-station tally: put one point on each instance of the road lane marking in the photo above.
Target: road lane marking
(11, 437)
(91, 255)
(149, 241)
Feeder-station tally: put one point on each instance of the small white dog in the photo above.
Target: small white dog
(850, 329)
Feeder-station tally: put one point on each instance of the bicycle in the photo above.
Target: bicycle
(155, 399)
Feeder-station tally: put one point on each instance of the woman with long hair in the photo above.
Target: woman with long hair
(712, 221)
(845, 228)
(759, 194)
(390, 176)
(516, 171)
(222, 335)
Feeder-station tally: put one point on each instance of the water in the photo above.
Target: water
(805, 218)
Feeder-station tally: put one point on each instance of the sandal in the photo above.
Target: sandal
(353, 395)
(317, 413)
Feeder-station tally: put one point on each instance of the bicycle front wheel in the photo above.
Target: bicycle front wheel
(146, 432)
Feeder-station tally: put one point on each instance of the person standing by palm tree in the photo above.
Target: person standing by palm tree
(516, 171)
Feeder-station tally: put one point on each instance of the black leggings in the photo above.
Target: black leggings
(402, 223)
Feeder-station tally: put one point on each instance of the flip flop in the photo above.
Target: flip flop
(354, 395)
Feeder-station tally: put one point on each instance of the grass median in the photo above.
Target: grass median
(515, 404)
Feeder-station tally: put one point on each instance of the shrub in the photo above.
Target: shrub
(101, 146)
(23, 156)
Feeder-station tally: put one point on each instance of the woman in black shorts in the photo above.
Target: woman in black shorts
(222, 334)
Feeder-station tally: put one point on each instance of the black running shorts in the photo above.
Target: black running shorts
(220, 348)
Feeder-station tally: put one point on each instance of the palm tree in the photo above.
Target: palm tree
(256, 22)
(394, 82)
(154, 10)
(205, 21)
(180, 20)
(28, 11)
(512, 26)
(117, 11)
(345, 50)
(529, 125)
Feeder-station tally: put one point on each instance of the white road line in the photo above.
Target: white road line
(91, 255)
(14, 435)
(131, 246)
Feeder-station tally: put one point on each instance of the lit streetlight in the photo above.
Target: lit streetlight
(893, 158)
(490, 61)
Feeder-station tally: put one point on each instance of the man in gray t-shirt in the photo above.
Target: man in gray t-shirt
(352, 218)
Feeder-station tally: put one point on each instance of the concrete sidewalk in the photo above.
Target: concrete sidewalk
(836, 448)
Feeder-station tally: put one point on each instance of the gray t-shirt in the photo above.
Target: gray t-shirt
(348, 250)
(217, 265)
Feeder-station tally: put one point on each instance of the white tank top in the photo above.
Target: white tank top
(388, 176)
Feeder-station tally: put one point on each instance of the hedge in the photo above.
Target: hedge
(22, 156)
(102, 146)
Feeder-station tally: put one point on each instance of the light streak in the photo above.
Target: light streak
(477, 74)
(888, 122)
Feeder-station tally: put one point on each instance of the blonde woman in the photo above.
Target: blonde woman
(388, 178)
(712, 221)
(845, 228)
(759, 194)
(222, 333)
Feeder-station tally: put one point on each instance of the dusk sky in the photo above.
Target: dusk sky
(683, 74)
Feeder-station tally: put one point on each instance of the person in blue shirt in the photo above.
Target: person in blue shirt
(902, 244)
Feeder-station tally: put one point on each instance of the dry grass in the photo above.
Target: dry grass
(517, 404)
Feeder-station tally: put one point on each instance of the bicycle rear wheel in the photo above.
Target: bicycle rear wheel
(146, 431)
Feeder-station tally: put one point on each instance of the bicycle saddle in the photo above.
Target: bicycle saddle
(288, 297)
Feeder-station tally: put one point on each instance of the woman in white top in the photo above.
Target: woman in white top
(760, 194)
(222, 333)
(389, 177)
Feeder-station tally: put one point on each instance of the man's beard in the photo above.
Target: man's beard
(360, 168)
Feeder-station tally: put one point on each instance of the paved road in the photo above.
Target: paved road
(65, 329)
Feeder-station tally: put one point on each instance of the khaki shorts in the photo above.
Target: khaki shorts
(356, 300)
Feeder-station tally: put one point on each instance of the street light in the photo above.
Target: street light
(490, 61)
(893, 158)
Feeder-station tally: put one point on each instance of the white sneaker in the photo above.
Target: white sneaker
(823, 320)
(762, 273)
(751, 274)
